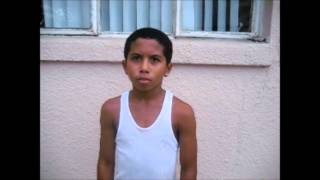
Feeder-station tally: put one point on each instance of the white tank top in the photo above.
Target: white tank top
(145, 153)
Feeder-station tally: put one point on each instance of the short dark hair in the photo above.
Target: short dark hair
(150, 33)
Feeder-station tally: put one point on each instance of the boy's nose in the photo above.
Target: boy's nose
(145, 66)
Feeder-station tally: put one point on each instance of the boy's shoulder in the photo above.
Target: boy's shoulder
(181, 110)
(111, 107)
(111, 104)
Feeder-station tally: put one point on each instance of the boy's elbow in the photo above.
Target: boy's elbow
(188, 173)
(105, 170)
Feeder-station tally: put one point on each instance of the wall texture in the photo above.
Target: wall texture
(234, 92)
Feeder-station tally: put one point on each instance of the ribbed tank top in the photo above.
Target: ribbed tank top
(145, 153)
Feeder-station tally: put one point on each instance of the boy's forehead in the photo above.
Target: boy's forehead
(146, 43)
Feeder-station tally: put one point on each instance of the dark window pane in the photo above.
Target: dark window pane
(245, 8)
(41, 15)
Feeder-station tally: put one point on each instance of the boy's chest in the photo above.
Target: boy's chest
(145, 116)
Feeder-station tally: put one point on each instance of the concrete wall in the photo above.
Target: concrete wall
(232, 85)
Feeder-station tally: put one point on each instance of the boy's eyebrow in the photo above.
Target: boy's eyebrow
(134, 54)
(137, 54)
(156, 55)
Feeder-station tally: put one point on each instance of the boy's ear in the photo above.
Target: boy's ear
(169, 67)
(124, 65)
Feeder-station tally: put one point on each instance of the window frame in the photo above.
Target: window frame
(92, 30)
(95, 29)
(255, 33)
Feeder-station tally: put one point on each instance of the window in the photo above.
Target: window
(66, 13)
(199, 18)
(214, 15)
(128, 15)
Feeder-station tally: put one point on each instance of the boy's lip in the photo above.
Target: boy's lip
(144, 80)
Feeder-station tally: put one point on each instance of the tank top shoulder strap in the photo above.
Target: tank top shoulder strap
(123, 108)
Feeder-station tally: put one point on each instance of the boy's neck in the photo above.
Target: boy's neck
(146, 95)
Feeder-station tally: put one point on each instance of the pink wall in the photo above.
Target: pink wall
(235, 95)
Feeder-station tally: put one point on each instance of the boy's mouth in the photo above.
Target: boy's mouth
(144, 80)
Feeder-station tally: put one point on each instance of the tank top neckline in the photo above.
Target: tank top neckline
(157, 119)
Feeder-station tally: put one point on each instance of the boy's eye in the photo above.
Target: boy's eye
(135, 58)
(155, 59)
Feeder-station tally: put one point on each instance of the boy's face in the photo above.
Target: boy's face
(146, 64)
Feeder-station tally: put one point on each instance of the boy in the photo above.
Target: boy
(143, 129)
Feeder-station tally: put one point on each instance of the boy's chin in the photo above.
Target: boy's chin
(143, 88)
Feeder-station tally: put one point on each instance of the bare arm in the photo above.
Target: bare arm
(188, 142)
(105, 169)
